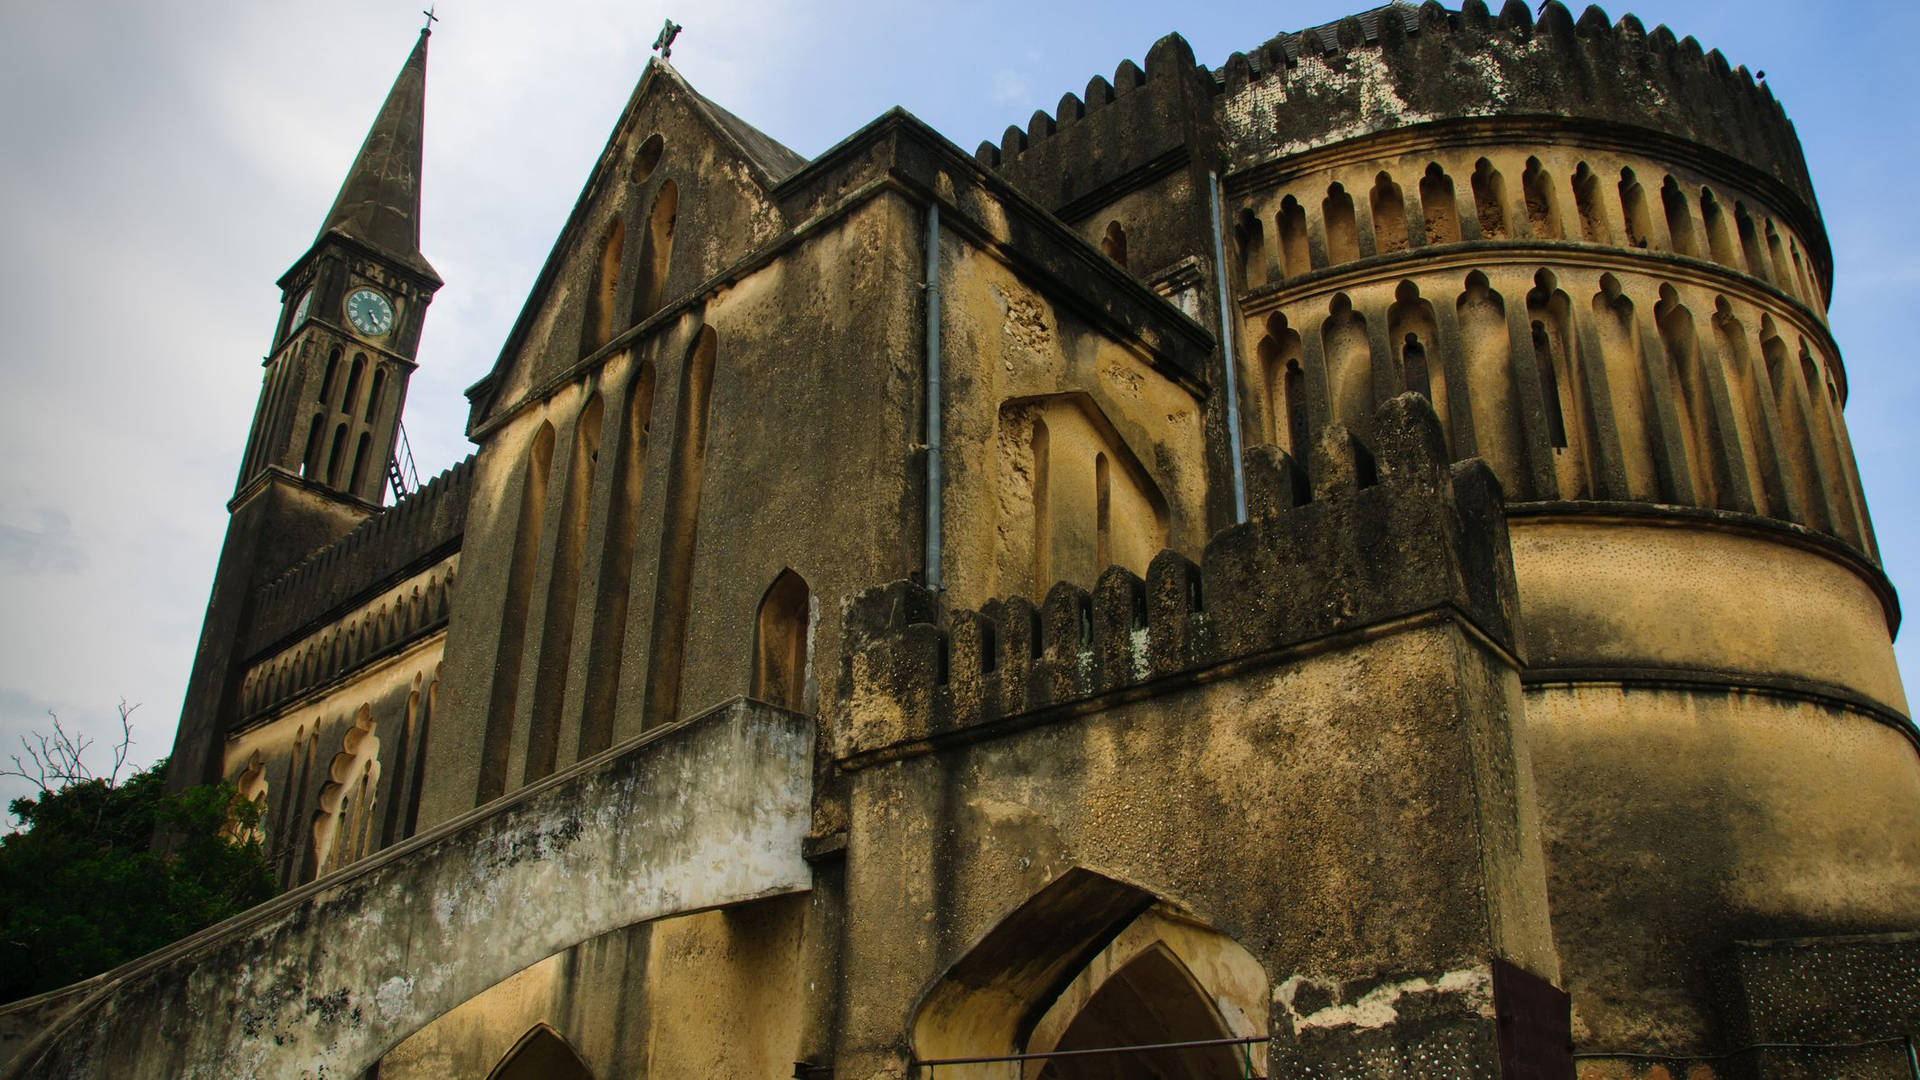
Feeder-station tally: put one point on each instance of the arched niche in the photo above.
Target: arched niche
(1114, 243)
(686, 473)
(1078, 498)
(656, 252)
(1091, 961)
(252, 786)
(783, 644)
(541, 1054)
(596, 325)
(514, 616)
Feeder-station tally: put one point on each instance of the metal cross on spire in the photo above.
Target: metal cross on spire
(431, 18)
(664, 43)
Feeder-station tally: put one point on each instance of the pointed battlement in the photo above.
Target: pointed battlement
(1170, 64)
(1389, 531)
(1138, 125)
(1393, 67)
(1375, 72)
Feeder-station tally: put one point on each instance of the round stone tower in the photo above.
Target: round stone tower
(1598, 251)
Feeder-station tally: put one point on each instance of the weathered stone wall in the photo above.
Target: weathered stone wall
(798, 339)
(276, 523)
(338, 771)
(1684, 372)
(1015, 351)
(1859, 990)
(825, 326)
(1679, 820)
(1313, 742)
(325, 980)
(718, 212)
(1597, 252)
(420, 529)
(712, 993)
(1736, 601)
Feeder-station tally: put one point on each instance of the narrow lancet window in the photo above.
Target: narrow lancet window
(1489, 200)
(1295, 255)
(1343, 234)
(1115, 244)
(656, 253)
(1389, 215)
(1438, 207)
(1633, 206)
(782, 640)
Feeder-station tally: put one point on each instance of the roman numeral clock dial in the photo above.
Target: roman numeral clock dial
(369, 312)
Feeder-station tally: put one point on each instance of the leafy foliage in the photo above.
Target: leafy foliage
(85, 888)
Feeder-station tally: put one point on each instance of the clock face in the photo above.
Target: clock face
(369, 312)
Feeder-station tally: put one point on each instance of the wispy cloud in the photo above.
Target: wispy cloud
(48, 548)
(1011, 87)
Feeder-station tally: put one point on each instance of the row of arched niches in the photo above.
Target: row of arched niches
(1595, 325)
(321, 657)
(1563, 195)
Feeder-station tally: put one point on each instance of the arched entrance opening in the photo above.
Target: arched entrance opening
(1091, 963)
(1152, 999)
(541, 1054)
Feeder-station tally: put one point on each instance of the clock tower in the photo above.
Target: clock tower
(350, 317)
(316, 462)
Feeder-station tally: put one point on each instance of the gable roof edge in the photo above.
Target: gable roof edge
(724, 125)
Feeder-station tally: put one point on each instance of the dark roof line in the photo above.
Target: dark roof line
(772, 156)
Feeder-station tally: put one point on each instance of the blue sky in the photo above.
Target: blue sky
(166, 163)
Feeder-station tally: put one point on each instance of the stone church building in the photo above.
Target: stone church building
(1348, 562)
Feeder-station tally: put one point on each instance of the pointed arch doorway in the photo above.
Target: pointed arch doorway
(541, 1054)
(1152, 998)
(1093, 963)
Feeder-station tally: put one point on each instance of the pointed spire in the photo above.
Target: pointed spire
(379, 205)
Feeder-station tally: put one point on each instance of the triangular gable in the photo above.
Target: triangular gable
(765, 161)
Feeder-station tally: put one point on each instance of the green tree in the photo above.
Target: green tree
(84, 887)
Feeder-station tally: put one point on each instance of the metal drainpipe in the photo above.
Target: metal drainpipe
(932, 287)
(1226, 347)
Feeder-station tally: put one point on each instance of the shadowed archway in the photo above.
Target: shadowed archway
(1090, 962)
(541, 1054)
(1153, 998)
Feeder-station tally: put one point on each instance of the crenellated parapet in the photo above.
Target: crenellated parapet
(1386, 531)
(420, 528)
(1143, 121)
(1374, 73)
(1395, 67)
